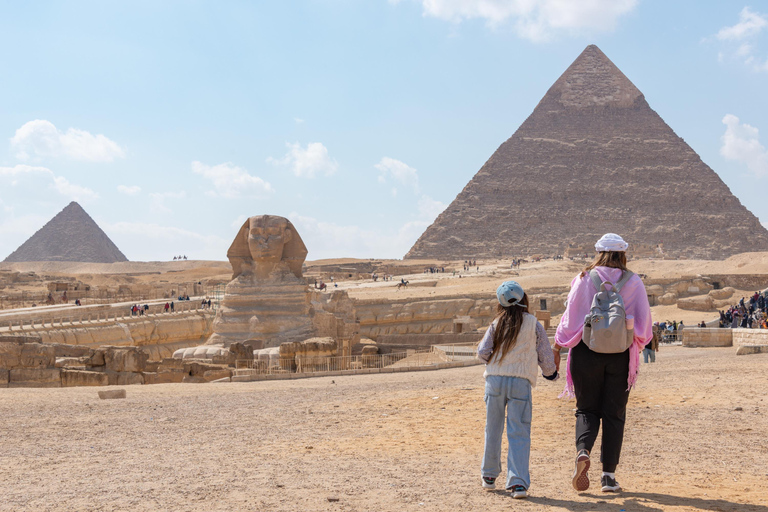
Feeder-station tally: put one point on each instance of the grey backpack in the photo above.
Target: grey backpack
(605, 326)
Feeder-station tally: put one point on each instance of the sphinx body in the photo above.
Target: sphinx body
(268, 302)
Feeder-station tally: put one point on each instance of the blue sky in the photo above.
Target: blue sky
(170, 122)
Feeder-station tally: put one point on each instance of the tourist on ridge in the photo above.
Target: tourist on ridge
(601, 381)
(513, 345)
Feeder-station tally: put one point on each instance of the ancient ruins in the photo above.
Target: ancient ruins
(593, 158)
(79, 314)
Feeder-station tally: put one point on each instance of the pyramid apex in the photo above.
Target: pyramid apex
(593, 80)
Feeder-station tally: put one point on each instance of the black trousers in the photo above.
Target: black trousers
(600, 383)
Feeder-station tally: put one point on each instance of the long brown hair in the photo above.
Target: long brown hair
(508, 323)
(613, 259)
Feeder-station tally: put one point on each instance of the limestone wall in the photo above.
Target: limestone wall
(69, 313)
(26, 362)
(160, 335)
(420, 316)
(710, 337)
(749, 337)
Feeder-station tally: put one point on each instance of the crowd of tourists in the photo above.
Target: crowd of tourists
(749, 313)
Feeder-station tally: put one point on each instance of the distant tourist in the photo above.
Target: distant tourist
(601, 381)
(167, 306)
(171, 306)
(514, 344)
(703, 324)
(649, 352)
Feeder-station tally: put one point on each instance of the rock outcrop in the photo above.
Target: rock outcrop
(593, 158)
(72, 235)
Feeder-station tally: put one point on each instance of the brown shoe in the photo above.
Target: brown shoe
(580, 477)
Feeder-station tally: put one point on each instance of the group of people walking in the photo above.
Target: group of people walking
(606, 324)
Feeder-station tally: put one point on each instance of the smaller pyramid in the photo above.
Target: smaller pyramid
(72, 235)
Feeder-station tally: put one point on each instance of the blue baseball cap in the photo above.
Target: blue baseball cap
(510, 293)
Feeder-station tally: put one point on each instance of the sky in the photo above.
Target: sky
(171, 122)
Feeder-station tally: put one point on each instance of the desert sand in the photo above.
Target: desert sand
(695, 441)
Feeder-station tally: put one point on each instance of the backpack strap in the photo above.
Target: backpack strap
(595, 279)
(624, 278)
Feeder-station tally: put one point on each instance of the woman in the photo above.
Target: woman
(514, 344)
(601, 382)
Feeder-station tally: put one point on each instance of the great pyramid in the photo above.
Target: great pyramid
(593, 158)
(72, 235)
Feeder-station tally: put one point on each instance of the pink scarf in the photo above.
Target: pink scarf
(571, 326)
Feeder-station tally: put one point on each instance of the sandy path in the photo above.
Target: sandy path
(398, 442)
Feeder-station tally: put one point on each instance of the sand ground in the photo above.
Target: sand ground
(695, 440)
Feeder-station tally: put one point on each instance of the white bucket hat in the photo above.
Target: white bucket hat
(611, 242)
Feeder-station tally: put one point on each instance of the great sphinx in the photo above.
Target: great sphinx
(267, 302)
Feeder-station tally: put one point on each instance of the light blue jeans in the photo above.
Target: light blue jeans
(514, 395)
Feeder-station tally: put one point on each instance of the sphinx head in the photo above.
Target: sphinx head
(263, 242)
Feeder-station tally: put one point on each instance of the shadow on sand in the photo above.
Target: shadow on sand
(647, 502)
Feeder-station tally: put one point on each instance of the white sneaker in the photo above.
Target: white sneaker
(489, 483)
(519, 492)
(609, 484)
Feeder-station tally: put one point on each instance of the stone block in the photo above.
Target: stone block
(112, 394)
(62, 350)
(741, 351)
(97, 358)
(72, 362)
(190, 379)
(35, 378)
(171, 363)
(37, 355)
(4, 376)
(125, 359)
(70, 378)
(164, 377)
(211, 375)
(198, 369)
(124, 378)
(10, 354)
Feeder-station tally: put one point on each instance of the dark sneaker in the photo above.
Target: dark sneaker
(489, 483)
(518, 491)
(609, 484)
(580, 478)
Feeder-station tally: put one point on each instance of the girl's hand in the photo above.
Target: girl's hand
(556, 355)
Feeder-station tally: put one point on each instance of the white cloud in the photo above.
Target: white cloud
(31, 179)
(129, 190)
(239, 221)
(40, 138)
(154, 241)
(231, 181)
(429, 208)
(398, 171)
(741, 143)
(331, 240)
(158, 200)
(307, 162)
(740, 40)
(298, 120)
(750, 24)
(536, 20)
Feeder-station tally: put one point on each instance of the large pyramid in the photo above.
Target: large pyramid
(593, 158)
(71, 235)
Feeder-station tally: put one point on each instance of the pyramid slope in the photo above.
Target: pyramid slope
(72, 235)
(592, 158)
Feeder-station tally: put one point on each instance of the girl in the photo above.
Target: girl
(601, 382)
(511, 348)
